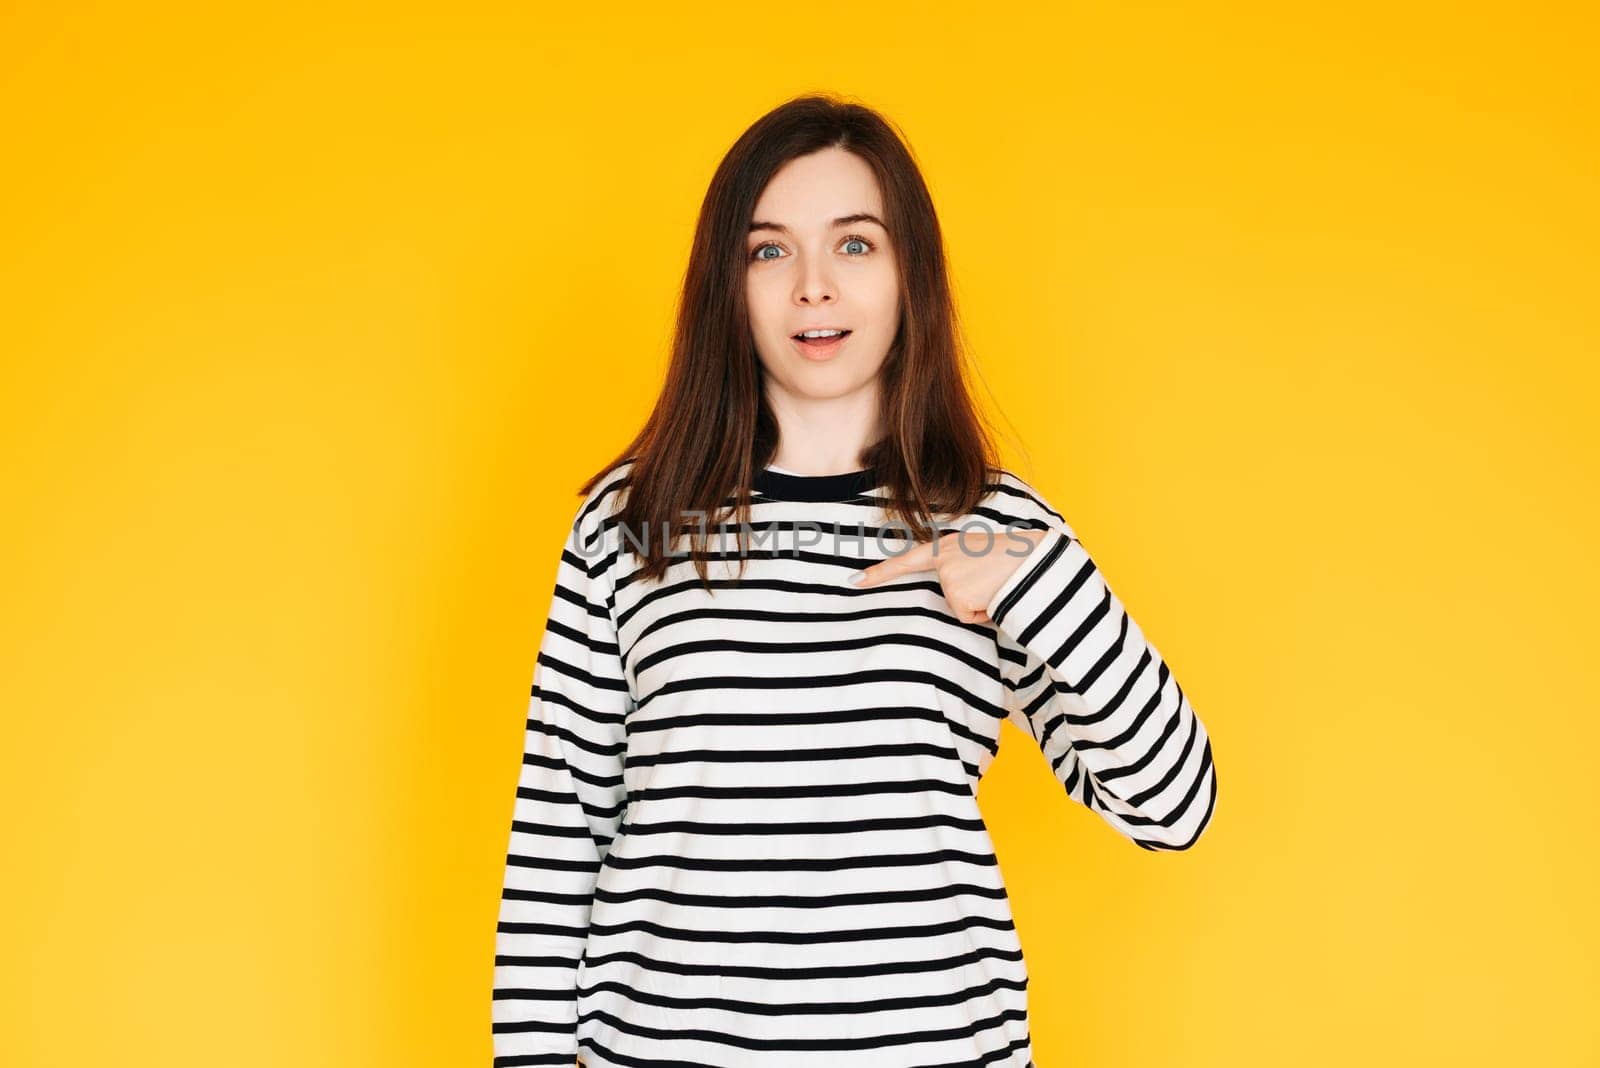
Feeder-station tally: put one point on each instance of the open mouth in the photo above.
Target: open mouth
(823, 341)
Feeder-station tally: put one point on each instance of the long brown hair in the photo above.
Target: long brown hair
(712, 429)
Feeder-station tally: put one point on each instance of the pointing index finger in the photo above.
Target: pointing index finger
(915, 559)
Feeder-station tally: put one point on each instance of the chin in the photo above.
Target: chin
(827, 382)
(839, 376)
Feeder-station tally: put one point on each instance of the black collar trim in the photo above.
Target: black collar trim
(782, 487)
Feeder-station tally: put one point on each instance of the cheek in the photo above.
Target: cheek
(886, 299)
(758, 299)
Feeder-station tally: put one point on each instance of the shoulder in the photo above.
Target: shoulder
(597, 512)
(593, 537)
(1013, 501)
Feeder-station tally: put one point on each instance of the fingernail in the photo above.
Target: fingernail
(855, 577)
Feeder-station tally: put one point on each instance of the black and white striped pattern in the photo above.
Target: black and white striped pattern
(746, 831)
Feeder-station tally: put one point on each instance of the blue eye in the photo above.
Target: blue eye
(853, 239)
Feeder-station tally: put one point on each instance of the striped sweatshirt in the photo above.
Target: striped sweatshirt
(746, 831)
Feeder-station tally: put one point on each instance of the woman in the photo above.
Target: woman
(746, 831)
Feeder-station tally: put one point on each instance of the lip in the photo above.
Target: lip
(823, 351)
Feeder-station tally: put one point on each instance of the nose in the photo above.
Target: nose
(816, 284)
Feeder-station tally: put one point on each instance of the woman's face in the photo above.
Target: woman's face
(819, 257)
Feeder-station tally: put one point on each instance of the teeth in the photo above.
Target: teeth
(821, 333)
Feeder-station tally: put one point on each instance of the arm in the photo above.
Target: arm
(569, 802)
(1097, 698)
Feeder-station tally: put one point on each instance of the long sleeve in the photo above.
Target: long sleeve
(569, 802)
(1095, 695)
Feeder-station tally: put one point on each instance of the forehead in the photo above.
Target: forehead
(813, 189)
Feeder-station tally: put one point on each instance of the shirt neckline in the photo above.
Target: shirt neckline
(782, 485)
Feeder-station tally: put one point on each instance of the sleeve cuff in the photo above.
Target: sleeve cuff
(1027, 573)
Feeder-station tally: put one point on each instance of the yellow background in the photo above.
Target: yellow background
(315, 315)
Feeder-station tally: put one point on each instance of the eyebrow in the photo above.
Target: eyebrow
(843, 220)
